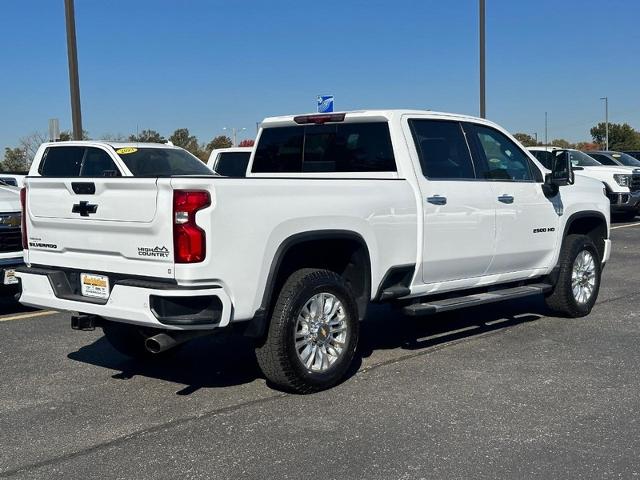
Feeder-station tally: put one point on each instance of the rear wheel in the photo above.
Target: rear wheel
(129, 340)
(313, 333)
(576, 290)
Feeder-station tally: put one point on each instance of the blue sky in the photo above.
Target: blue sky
(205, 65)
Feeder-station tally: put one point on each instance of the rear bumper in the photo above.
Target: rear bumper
(168, 307)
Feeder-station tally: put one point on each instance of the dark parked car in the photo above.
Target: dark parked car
(633, 153)
(615, 158)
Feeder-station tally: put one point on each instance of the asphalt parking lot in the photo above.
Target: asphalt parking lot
(493, 392)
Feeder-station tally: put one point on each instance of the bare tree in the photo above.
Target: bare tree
(29, 145)
(114, 137)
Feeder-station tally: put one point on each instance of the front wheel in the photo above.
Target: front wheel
(576, 290)
(313, 333)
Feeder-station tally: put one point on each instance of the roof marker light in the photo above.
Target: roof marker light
(319, 119)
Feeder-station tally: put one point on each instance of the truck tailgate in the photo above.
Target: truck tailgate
(119, 225)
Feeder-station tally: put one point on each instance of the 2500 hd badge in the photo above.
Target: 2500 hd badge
(544, 230)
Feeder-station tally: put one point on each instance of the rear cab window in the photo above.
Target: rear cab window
(77, 161)
(328, 148)
(232, 164)
(161, 162)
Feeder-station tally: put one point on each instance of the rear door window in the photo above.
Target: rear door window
(345, 147)
(61, 162)
(443, 150)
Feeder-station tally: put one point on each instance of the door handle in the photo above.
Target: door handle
(505, 198)
(437, 200)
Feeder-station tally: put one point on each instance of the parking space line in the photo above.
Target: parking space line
(625, 226)
(24, 316)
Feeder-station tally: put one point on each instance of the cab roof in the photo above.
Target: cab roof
(115, 145)
(388, 115)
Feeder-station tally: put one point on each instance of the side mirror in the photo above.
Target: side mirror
(561, 174)
(562, 170)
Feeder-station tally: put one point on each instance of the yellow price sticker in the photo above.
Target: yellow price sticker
(124, 151)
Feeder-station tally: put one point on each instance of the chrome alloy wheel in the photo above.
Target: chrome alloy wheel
(321, 332)
(583, 277)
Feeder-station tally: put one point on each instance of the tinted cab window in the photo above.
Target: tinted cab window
(344, 147)
(77, 162)
(232, 164)
(545, 158)
(9, 181)
(161, 162)
(442, 150)
(603, 159)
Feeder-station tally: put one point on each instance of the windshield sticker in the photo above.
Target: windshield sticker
(126, 150)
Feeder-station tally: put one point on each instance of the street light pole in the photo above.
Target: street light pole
(606, 121)
(74, 82)
(483, 105)
(546, 141)
(234, 133)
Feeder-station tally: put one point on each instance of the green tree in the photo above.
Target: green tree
(147, 136)
(182, 138)
(221, 141)
(525, 139)
(562, 143)
(14, 160)
(621, 136)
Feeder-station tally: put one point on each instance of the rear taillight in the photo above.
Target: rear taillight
(188, 239)
(23, 221)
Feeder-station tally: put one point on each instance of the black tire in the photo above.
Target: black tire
(562, 300)
(129, 340)
(278, 357)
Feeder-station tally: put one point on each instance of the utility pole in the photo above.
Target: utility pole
(546, 140)
(535, 134)
(483, 105)
(74, 82)
(606, 121)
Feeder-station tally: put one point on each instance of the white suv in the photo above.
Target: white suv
(622, 183)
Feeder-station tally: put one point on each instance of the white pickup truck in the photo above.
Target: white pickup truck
(431, 211)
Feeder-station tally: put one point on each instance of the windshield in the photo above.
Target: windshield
(626, 159)
(161, 162)
(579, 159)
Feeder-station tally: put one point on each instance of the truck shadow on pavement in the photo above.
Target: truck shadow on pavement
(229, 360)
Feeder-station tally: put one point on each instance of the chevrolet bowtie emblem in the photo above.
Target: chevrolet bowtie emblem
(84, 208)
